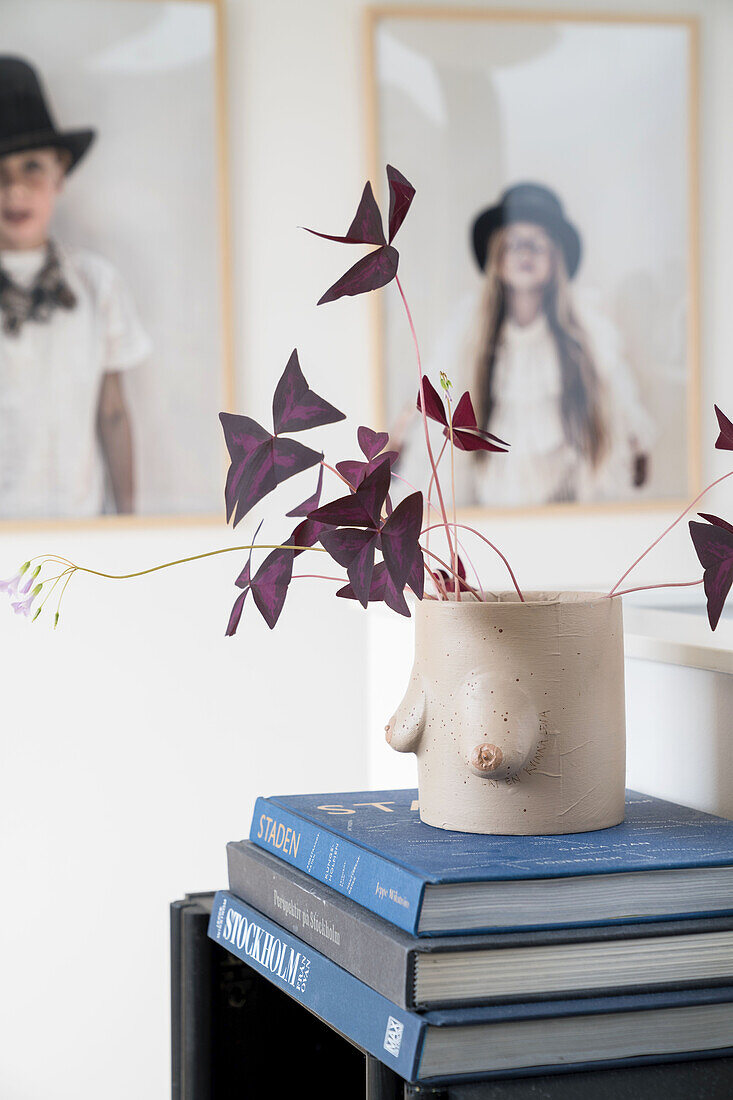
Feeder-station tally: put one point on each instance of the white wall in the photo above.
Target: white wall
(135, 738)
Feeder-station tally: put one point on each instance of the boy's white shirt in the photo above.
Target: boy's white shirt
(50, 378)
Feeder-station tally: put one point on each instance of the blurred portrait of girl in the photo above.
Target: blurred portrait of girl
(547, 375)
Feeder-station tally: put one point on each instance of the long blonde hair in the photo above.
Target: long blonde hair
(582, 398)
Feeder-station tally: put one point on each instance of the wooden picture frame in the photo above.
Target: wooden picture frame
(422, 39)
(165, 164)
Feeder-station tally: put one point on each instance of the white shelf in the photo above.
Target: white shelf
(678, 638)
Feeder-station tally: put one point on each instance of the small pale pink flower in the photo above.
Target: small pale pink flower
(23, 606)
(10, 587)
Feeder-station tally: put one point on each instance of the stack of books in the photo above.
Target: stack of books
(454, 956)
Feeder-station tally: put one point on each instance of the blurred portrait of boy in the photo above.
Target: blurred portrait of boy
(68, 329)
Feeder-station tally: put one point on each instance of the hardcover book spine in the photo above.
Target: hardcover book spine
(370, 880)
(349, 936)
(346, 1004)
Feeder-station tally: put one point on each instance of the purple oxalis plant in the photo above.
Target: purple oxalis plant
(383, 549)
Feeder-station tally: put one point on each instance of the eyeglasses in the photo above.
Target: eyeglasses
(514, 245)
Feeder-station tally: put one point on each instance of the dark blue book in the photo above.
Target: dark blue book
(446, 971)
(663, 862)
(466, 1043)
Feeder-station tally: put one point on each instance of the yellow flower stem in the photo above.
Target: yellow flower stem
(58, 605)
(55, 581)
(182, 561)
(430, 487)
(457, 582)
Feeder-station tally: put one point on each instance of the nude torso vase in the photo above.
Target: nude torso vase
(516, 713)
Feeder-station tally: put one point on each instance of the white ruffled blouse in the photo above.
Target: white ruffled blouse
(541, 466)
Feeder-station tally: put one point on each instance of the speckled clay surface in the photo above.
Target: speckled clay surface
(516, 713)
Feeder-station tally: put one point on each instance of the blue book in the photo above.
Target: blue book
(663, 862)
(460, 1044)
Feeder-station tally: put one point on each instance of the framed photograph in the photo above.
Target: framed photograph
(115, 326)
(551, 257)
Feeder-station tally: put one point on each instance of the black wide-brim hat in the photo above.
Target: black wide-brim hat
(528, 202)
(25, 118)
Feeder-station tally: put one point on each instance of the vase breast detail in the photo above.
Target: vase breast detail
(515, 712)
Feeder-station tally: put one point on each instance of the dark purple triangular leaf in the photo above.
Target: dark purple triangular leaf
(374, 488)
(467, 436)
(713, 544)
(401, 194)
(400, 535)
(267, 467)
(717, 521)
(371, 442)
(243, 436)
(349, 511)
(382, 589)
(717, 583)
(434, 407)
(724, 442)
(343, 544)
(306, 533)
(416, 576)
(362, 508)
(312, 502)
(295, 407)
(386, 456)
(354, 550)
(394, 597)
(236, 613)
(714, 547)
(270, 584)
(386, 590)
(372, 271)
(255, 479)
(244, 578)
(291, 457)
(366, 228)
(353, 470)
(477, 440)
(463, 414)
(360, 570)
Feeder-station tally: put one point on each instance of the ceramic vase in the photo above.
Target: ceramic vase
(515, 712)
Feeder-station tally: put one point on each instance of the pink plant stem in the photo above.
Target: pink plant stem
(432, 482)
(467, 556)
(425, 421)
(646, 587)
(319, 577)
(496, 550)
(430, 505)
(449, 570)
(437, 581)
(341, 476)
(668, 529)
